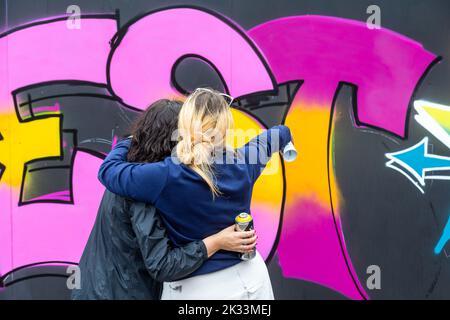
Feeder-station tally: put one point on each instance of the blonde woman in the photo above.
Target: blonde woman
(199, 191)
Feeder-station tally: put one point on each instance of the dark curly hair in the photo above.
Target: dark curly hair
(152, 132)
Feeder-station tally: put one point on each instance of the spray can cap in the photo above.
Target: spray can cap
(243, 218)
(289, 152)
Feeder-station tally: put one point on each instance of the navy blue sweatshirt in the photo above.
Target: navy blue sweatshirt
(185, 201)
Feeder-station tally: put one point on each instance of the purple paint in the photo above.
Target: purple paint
(140, 71)
(310, 249)
(114, 142)
(48, 231)
(324, 51)
(60, 195)
(41, 53)
(55, 108)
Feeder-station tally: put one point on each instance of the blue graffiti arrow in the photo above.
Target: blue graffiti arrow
(417, 162)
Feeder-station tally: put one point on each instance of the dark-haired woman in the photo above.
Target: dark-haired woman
(200, 190)
(128, 254)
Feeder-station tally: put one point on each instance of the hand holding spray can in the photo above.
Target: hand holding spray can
(244, 222)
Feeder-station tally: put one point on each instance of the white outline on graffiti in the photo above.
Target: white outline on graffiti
(429, 123)
(420, 176)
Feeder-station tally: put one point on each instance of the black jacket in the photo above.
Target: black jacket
(128, 253)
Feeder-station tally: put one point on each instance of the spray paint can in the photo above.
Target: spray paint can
(244, 222)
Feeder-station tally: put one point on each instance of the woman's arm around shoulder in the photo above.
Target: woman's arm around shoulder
(163, 261)
(138, 181)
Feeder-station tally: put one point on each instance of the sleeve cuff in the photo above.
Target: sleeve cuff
(201, 250)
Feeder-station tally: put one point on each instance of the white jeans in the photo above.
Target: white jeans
(247, 280)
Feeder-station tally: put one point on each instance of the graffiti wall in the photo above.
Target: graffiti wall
(362, 214)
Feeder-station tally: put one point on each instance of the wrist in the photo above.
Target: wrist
(212, 244)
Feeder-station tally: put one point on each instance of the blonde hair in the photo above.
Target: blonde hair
(203, 122)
